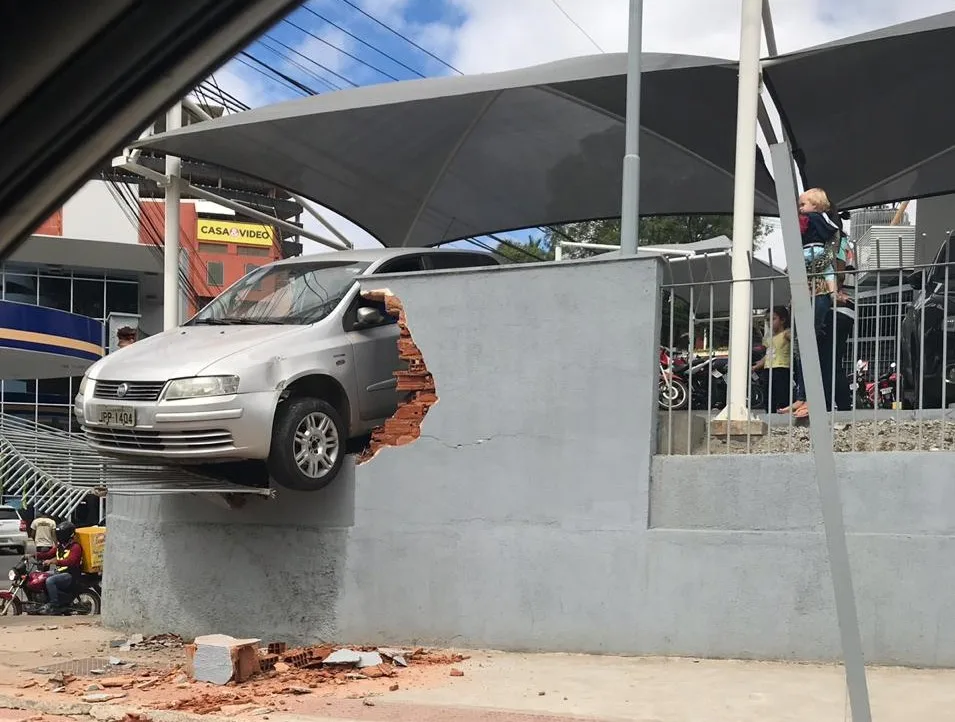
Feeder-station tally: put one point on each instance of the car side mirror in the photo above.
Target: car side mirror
(368, 316)
(915, 280)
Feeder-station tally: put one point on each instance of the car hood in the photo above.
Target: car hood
(184, 351)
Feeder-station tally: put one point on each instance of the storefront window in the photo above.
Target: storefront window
(88, 297)
(122, 297)
(55, 292)
(19, 288)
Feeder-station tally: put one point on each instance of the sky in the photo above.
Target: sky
(349, 38)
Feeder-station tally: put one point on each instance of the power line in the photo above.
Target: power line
(403, 37)
(341, 50)
(295, 63)
(350, 34)
(278, 73)
(270, 78)
(313, 62)
(577, 25)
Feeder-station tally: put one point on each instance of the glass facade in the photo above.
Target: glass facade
(49, 401)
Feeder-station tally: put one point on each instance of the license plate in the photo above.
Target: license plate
(117, 416)
(717, 375)
(885, 392)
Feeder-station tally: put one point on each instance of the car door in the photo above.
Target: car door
(375, 350)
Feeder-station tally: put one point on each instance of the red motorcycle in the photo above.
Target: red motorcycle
(673, 393)
(871, 394)
(27, 592)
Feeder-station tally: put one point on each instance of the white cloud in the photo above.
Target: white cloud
(505, 34)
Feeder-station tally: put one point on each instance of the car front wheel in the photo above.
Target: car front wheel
(308, 444)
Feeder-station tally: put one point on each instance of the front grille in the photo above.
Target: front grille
(135, 390)
(171, 441)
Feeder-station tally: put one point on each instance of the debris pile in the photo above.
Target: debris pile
(404, 427)
(156, 643)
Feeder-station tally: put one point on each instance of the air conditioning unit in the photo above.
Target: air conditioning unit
(884, 248)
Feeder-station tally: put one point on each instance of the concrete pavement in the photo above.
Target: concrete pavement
(501, 687)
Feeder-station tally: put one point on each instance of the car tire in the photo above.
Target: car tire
(308, 444)
(20, 551)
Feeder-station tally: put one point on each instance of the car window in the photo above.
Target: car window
(449, 259)
(8, 514)
(945, 257)
(402, 264)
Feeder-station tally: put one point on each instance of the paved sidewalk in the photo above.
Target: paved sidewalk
(499, 687)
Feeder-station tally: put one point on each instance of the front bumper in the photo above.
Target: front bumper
(218, 428)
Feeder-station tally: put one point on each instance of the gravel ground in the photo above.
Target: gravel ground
(881, 435)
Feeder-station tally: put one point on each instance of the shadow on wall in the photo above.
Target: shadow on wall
(195, 567)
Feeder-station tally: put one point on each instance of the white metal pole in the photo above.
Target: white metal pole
(171, 241)
(821, 438)
(630, 203)
(747, 110)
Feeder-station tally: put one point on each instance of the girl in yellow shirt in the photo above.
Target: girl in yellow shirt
(774, 367)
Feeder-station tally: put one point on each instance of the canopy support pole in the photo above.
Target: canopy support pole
(630, 204)
(823, 456)
(736, 414)
(170, 301)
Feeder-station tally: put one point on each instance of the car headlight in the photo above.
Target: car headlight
(950, 324)
(200, 386)
(81, 391)
(12, 575)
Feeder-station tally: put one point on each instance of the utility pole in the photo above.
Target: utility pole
(172, 222)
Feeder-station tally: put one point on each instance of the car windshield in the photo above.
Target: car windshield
(296, 293)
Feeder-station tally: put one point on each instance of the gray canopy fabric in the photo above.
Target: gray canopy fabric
(870, 117)
(701, 274)
(422, 162)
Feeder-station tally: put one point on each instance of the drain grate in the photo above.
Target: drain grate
(82, 667)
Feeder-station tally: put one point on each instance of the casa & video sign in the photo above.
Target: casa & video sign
(244, 234)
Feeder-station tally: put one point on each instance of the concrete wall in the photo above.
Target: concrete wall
(526, 516)
(515, 521)
(737, 562)
(93, 213)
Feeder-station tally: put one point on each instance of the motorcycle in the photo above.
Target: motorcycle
(706, 379)
(27, 592)
(871, 394)
(673, 393)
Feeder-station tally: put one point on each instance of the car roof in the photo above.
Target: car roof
(372, 255)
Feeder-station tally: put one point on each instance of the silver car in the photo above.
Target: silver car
(284, 366)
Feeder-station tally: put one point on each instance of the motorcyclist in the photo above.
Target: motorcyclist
(65, 559)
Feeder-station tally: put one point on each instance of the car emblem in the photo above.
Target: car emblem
(121, 390)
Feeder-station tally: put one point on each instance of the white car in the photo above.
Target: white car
(12, 532)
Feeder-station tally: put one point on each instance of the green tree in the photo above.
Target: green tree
(655, 231)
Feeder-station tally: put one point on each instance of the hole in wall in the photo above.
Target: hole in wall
(416, 387)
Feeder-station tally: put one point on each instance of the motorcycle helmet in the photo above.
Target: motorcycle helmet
(65, 531)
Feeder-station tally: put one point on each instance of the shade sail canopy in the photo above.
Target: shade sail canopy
(423, 162)
(872, 114)
(701, 274)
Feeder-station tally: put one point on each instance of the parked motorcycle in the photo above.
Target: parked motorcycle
(27, 592)
(706, 379)
(874, 393)
(673, 394)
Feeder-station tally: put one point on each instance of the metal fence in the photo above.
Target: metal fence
(886, 342)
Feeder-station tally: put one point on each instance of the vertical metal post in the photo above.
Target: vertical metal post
(630, 204)
(822, 451)
(744, 201)
(172, 221)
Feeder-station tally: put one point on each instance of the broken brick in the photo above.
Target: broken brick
(404, 427)
(456, 672)
(277, 648)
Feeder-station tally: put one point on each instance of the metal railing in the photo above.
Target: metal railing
(55, 471)
(886, 343)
